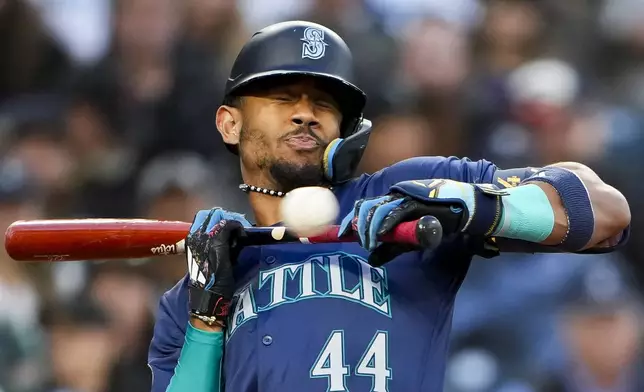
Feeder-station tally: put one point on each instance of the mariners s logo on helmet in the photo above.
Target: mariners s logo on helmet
(314, 45)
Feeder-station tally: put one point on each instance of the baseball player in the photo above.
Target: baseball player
(364, 316)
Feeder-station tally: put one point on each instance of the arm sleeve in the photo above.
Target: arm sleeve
(199, 366)
(422, 168)
(168, 336)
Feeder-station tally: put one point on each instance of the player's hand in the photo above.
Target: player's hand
(210, 254)
(451, 202)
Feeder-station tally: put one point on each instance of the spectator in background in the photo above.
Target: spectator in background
(217, 27)
(82, 27)
(213, 32)
(105, 166)
(34, 136)
(624, 165)
(601, 329)
(172, 185)
(620, 65)
(154, 93)
(131, 85)
(621, 60)
(22, 346)
(126, 295)
(465, 14)
(388, 131)
(158, 90)
(542, 95)
(82, 350)
(506, 317)
(553, 117)
(32, 62)
(511, 33)
(258, 14)
(374, 50)
(434, 65)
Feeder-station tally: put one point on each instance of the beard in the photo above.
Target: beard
(289, 175)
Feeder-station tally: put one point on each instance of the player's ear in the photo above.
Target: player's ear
(229, 123)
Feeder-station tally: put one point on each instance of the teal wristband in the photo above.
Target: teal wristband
(527, 214)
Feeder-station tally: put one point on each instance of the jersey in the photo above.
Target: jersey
(317, 317)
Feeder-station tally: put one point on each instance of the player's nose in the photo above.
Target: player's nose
(304, 113)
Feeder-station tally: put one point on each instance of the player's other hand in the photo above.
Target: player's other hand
(210, 257)
(451, 202)
(374, 217)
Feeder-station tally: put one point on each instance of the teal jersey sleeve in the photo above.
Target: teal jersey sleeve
(199, 366)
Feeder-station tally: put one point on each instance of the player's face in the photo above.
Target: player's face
(285, 131)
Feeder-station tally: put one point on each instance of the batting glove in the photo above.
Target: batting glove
(210, 253)
(460, 207)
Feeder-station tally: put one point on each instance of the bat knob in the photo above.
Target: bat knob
(429, 232)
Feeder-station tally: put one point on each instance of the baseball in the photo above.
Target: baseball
(307, 211)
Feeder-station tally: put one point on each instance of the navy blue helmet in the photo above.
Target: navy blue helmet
(300, 48)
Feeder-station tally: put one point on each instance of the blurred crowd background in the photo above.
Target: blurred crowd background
(106, 110)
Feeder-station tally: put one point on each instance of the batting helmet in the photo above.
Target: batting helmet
(300, 48)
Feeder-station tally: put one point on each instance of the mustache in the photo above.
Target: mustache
(304, 130)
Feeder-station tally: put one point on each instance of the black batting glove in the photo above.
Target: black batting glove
(210, 254)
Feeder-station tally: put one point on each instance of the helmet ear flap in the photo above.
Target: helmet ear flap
(342, 157)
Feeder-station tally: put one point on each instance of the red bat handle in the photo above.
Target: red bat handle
(103, 239)
(404, 233)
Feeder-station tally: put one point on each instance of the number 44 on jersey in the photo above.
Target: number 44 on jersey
(331, 363)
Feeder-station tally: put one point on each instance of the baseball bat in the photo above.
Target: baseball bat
(102, 239)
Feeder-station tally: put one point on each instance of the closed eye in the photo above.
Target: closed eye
(325, 104)
(282, 98)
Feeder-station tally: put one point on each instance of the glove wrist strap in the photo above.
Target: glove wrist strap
(209, 304)
(488, 211)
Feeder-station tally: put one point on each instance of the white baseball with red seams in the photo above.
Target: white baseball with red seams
(308, 211)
